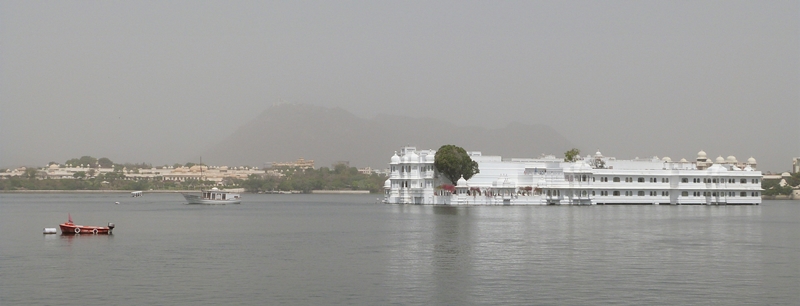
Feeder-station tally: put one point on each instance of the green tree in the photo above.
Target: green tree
(30, 173)
(794, 180)
(773, 188)
(105, 162)
(85, 161)
(79, 175)
(572, 155)
(453, 162)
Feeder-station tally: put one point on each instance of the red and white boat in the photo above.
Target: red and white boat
(69, 228)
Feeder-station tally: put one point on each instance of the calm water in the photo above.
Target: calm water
(348, 250)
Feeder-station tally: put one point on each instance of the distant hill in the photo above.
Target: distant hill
(286, 132)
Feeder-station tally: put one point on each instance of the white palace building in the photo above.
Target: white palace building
(591, 180)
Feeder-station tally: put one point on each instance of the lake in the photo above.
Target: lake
(349, 250)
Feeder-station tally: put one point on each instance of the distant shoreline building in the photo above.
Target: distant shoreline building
(219, 175)
(591, 180)
(300, 163)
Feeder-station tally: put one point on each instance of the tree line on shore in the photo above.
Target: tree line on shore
(341, 177)
(774, 188)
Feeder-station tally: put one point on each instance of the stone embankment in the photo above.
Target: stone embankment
(93, 191)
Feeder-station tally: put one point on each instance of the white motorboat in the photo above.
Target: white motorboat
(214, 196)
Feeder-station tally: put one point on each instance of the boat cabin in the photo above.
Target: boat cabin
(216, 194)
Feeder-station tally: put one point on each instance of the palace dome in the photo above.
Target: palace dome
(717, 168)
(581, 167)
(701, 154)
(462, 182)
(720, 160)
(413, 157)
(430, 157)
(395, 158)
(667, 159)
(387, 184)
(751, 161)
(731, 159)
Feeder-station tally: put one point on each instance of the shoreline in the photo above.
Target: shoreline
(95, 191)
(174, 191)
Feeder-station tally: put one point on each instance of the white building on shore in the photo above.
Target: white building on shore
(591, 180)
(216, 174)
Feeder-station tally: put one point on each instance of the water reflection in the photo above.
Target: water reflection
(70, 240)
(451, 245)
(455, 255)
(310, 252)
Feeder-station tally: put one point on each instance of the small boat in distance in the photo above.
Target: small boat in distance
(69, 228)
(214, 196)
(136, 194)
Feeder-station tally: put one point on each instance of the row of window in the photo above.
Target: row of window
(707, 180)
(683, 180)
(722, 194)
(628, 193)
(630, 179)
(582, 178)
(641, 193)
(413, 184)
(408, 168)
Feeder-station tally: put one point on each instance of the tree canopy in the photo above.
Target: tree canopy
(453, 162)
(85, 161)
(105, 162)
(572, 155)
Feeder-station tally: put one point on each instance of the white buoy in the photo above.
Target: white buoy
(49, 230)
(116, 203)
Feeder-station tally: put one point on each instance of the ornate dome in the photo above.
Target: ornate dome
(395, 158)
(430, 157)
(719, 160)
(667, 159)
(683, 160)
(717, 168)
(701, 154)
(462, 182)
(751, 161)
(413, 158)
(387, 184)
(731, 159)
(581, 167)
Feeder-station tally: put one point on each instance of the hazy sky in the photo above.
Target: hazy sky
(161, 81)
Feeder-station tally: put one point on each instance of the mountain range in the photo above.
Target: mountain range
(286, 132)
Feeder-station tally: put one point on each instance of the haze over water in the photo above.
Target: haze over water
(163, 81)
(349, 250)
